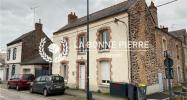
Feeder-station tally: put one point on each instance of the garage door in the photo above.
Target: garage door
(1, 74)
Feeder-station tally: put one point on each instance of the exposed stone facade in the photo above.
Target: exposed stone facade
(175, 46)
(145, 65)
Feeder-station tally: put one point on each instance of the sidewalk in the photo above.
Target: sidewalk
(158, 96)
(96, 96)
(81, 95)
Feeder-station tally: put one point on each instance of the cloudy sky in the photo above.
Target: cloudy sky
(17, 16)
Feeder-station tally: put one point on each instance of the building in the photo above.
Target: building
(182, 34)
(23, 54)
(2, 66)
(131, 21)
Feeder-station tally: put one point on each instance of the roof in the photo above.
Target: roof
(35, 60)
(19, 39)
(113, 10)
(168, 34)
(179, 33)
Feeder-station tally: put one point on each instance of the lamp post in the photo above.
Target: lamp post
(87, 85)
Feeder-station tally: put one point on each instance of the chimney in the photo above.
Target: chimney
(38, 26)
(153, 10)
(165, 29)
(72, 17)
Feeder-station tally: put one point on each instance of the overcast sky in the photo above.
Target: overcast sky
(17, 17)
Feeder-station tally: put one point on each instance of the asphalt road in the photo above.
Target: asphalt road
(11, 94)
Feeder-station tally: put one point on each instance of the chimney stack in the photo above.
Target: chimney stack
(165, 29)
(38, 26)
(153, 10)
(72, 17)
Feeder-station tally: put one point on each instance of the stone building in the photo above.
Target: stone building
(128, 21)
(23, 54)
(182, 35)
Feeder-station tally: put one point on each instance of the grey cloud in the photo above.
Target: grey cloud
(16, 17)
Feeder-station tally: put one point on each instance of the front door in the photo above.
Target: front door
(82, 76)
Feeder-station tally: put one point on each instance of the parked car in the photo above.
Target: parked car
(48, 84)
(20, 81)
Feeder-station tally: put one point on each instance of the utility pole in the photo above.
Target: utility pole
(88, 76)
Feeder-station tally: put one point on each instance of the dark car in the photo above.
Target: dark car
(20, 81)
(48, 84)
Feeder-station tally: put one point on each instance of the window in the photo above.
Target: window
(105, 72)
(104, 40)
(65, 49)
(8, 55)
(14, 53)
(177, 52)
(13, 69)
(81, 42)
(43, 79)
(164, 44)
(38, 79)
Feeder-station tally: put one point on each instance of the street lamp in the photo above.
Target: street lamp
(87, 89)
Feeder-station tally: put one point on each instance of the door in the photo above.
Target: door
(42, 84)
(160, 80)
(82, 76)
(35, 85)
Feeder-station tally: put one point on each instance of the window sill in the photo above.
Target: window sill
(81, 53)
(104, 50)
(104, 85)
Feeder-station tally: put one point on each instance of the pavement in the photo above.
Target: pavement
(158, 96)
(70, 94)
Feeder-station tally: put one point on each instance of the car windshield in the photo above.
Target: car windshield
(57, 79)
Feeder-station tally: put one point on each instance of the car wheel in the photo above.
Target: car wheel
(62, 92)
(31, 90)
(45, 92)
(17, 88)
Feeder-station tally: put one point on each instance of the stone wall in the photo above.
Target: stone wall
(143, 62)
(172, 43)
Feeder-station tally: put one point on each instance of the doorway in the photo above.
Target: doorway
(82, 74)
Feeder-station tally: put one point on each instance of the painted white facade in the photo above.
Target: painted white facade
(14, 62)
(119, 57)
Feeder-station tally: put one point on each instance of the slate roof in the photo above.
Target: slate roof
(113, 10)
(179, 33)
(36, 60)
(19, 39)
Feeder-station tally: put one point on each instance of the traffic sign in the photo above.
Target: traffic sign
(168, 62)
(169, 73)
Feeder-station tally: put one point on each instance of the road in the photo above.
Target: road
(11, 94)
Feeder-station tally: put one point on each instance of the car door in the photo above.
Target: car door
(11, 80)
(15, 80)
(35, 85)
(42, 84)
